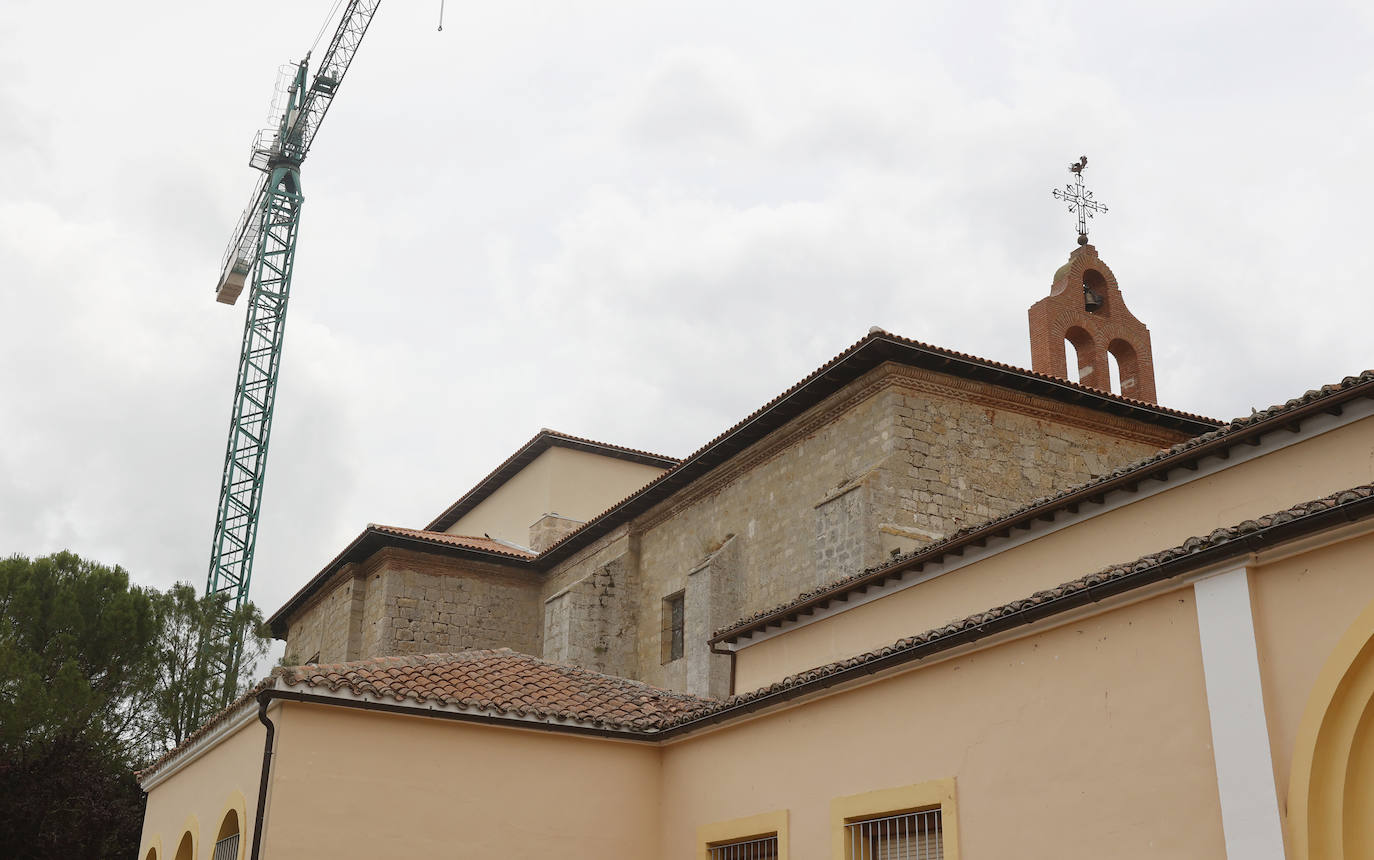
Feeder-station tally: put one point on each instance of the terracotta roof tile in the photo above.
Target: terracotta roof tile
(210, 724)
(485, 544)
(1142, 466)
(503, 682)
(1349, 504)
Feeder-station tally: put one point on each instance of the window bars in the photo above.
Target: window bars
(227, 848)
(761, 848)
(910, 836)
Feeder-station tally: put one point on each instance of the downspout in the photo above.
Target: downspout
(263, 699)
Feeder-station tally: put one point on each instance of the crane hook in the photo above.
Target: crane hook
(441, 16)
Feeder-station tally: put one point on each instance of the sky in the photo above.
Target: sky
(631, 221)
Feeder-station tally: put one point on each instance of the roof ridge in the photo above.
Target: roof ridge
(874, 334)
(954, 538)
(546, 438)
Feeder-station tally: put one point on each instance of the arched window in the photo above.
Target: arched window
(228, 839)
(1078, 352)
(152, 853)
(1126, 366)
(186, 850)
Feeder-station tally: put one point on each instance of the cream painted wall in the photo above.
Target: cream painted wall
(1303, 605)
(574, 484)
(1315, 467)
(1090, 740)
(204, 791)
(354, 784)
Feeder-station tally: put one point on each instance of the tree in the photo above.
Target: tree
(97, 679)
(76, 649)
(77, 652)
(182, 671)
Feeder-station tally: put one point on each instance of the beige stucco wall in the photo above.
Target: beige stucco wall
(1310, 469)
(352, 784)
(575, 484)
(1302, 607)
(198, 796)
(1091, 740)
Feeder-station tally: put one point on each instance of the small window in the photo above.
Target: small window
(908, 836)
(674, 626)
(227, 843)
(757, 848)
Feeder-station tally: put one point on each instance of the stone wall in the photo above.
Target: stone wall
(895, 460)
(587, 623)
(405, 602)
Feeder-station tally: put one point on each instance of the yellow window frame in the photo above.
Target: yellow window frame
(935, 794)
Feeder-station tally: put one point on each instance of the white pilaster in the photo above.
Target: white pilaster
(1240, 735)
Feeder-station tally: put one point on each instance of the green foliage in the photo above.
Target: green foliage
(68, 799)
(182, 673)
(76, 650)
(97, 679)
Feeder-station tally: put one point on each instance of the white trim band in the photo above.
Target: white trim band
(1235, 703)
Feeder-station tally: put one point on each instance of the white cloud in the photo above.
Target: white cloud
(636, 222)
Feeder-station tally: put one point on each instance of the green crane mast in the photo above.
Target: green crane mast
(264, 247)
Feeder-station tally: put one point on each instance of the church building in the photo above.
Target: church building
(919, 605)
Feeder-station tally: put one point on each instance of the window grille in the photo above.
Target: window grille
(910, 836)
(227, 848)
(762, 848)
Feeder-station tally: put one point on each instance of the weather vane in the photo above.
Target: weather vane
(1080, 199)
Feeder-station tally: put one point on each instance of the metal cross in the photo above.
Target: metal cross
(1080, 199)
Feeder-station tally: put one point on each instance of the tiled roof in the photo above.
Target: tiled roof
(538, 444)
(878, 346)
(506, 684)
(1219, 545)
(485, 544)
(503, 682)
(213, 722)
(1232, 433)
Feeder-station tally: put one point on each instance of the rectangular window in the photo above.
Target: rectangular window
(758, 848)
(674, 626)
(908, 836)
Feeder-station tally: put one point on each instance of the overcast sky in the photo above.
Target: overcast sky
(634, 221)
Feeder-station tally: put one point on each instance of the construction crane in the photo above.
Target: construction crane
(263, 248)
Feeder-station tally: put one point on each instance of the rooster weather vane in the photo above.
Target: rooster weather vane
(1080, 199)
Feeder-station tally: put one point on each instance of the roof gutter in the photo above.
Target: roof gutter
(1089, 493)
(1253, 542)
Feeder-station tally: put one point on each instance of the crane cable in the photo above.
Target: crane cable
(324, 24)
(441, 16)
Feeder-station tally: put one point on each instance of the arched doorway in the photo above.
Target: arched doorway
(1331, 790)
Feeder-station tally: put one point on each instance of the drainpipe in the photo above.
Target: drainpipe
(263, 699)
